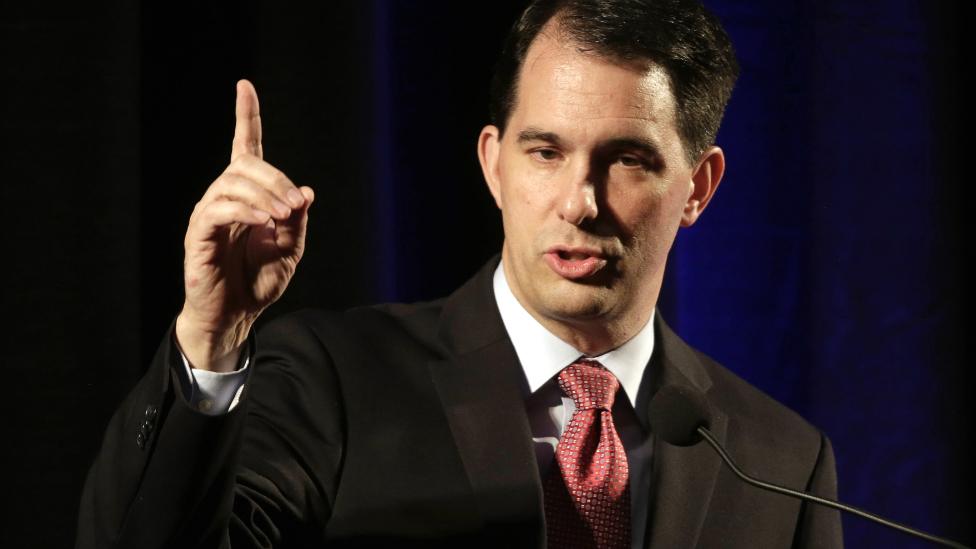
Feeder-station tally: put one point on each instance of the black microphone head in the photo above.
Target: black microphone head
(676, 412)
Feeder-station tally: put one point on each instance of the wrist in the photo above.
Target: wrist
(205, 347)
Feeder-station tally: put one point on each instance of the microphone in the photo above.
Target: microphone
(681, 417)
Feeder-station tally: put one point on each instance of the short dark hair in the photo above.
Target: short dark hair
(680, 36)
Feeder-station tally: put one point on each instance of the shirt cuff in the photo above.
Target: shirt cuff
(215, 393)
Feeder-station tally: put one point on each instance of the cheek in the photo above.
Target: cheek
(527, 210)
(648, 217)
(633, 206)
(524, 194)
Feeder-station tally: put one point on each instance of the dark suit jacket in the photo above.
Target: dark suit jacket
(405, 425)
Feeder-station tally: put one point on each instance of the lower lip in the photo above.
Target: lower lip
(574, 269)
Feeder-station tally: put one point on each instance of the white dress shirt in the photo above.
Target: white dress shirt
(542, 356)
(215, 393)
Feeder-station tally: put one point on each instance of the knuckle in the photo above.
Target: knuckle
(280, 179)
(226, 180)
(249, 158)
(222, 181)
(217, 207)
(239, 162)
(205, 212)
(231, 185)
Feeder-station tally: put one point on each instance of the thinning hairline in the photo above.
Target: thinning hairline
(565, 33)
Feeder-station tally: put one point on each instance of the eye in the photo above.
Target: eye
(545, 155)
(631, 161)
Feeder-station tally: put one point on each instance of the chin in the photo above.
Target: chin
(579, 303)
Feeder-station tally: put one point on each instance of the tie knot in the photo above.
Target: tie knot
(589, 384)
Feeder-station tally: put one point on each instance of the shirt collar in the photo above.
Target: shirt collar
(543, 355)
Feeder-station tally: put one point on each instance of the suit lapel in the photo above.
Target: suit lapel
(682, 479)
(482, 388)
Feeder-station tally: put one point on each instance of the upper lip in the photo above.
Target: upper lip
(582, 250)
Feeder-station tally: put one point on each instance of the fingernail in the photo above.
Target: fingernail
(296, 198)
(280, 208)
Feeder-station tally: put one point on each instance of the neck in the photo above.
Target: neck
(595, 337)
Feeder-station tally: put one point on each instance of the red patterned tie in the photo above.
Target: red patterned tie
(587, 493)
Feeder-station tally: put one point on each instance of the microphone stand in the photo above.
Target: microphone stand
(707, 435)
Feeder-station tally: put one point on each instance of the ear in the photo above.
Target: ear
(705, 180)
(489, 145)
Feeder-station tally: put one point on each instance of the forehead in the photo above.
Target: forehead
(559, 83)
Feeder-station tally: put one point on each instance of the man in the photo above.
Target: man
(512, 413)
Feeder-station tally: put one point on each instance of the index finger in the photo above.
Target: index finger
(247, 131)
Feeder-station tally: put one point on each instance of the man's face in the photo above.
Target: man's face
(593, 183)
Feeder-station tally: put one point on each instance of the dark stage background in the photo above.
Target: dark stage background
(830, 271)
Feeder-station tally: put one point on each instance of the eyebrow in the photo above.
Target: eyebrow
(631, 142)
(535, 134)
(634, 143)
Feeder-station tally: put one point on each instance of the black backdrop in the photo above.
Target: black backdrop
(115, 117)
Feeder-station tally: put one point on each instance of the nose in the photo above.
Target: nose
(578, 202)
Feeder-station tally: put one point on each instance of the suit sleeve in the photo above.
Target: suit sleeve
(820, 526)
(170, 476)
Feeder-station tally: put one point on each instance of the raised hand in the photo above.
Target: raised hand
(243, 243)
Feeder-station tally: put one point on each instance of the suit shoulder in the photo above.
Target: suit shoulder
(763, 425)
(365, 317)
(752, 405)
(389, 325)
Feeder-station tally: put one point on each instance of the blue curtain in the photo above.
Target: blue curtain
(826, 270)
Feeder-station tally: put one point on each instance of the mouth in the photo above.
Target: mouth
(575, 263)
